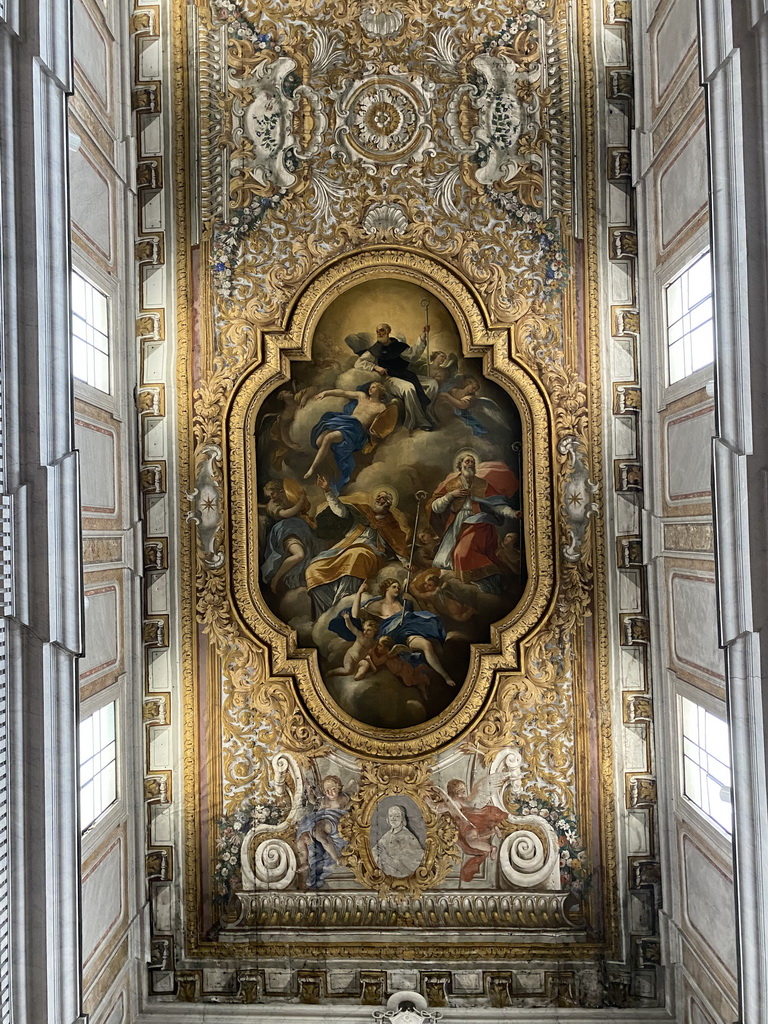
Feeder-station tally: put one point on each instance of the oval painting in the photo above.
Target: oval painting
(390, 530)
(398, 835)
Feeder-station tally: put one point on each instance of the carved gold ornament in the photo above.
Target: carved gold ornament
(391, 874)
(339, 147)
(260, 379)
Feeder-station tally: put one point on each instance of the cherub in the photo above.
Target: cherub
(441, 366)
(419, 633)
(508, 554)
(454, 600)
(355, 658)
(478, 826)
(394, 657)
(318, 843)
(280, 506)
(426, 548)
(434, 592)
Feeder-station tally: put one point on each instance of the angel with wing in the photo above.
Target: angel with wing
(442, 365)
(318, 843)
(418, 635)
(366, 419)
(395, 657)
(478, 824)
(278, 426)
(481, 415)
(291, 541)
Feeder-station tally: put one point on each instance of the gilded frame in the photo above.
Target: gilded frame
(192, 618)
(277, 348)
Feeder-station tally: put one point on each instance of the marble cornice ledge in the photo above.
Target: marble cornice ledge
(330, 1014)
(340, 1014)
(510, 911)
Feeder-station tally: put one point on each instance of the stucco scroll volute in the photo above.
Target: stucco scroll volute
(266, 101)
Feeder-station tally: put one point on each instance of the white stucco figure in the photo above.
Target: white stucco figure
(399, 852)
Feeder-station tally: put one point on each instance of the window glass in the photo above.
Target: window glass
(90, 334)
(690, 339)
(706, 762)
(98, 764)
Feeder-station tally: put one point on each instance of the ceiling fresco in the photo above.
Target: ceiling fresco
(397, 707)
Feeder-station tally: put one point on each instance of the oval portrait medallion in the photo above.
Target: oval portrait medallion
(398, 835)
(389, 474)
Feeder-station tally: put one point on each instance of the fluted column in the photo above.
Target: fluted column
(41, 627)
(734, 54)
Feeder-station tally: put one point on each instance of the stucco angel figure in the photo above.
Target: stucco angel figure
(479, 823)
(318, 843)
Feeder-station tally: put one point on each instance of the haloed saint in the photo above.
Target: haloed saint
(390, 525)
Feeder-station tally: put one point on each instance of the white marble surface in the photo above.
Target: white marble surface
(694, 617)
(103, 898)
(675, 35)
(102, 642)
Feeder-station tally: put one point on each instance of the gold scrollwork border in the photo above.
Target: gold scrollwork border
(606, 835)
(440, 852)
(272, 367)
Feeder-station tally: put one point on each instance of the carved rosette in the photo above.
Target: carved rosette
(309, 123)
(383, 120)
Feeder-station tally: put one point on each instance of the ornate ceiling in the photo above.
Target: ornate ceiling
(397, 706)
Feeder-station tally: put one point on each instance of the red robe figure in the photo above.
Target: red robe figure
(478, 826)
(466, 510)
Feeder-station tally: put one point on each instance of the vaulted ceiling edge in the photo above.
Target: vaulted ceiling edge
(397, 708)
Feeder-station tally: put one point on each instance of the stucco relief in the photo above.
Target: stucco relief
(390, 608)
(383, 119)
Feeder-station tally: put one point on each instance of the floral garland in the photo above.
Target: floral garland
(228, 237)
(545, 234)
(229, 11)
(575, 874)
(245, 219)
(515, 24)
(231, 830)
